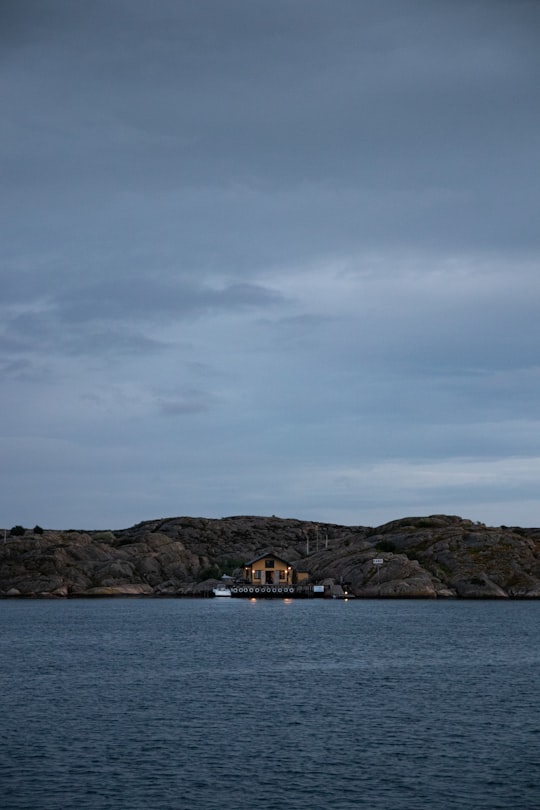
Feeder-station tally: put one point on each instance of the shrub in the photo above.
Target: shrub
(38, 529)
(104, 537)
(17, 531)
(213, 572)
(230, 565)
(386, 545)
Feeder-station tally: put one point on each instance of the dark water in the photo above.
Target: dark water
(235, 704)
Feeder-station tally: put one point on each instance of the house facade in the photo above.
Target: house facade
(268, 569)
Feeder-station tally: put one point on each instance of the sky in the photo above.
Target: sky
(269, 258)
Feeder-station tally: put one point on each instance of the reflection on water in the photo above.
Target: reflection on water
(204, 704)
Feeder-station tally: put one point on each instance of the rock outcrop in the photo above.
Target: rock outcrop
(426, 557)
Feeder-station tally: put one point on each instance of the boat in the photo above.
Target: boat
(221, 590)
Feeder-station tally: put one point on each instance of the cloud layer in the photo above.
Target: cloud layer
(269, 258)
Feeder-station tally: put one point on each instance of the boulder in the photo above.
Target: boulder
(478, 587)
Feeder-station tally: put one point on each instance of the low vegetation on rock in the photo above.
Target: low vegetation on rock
(439, 556)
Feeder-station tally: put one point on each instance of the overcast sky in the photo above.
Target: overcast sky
(269, 258)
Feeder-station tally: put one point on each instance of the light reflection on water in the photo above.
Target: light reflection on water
(204, 704)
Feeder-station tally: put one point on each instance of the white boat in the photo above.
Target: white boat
(221, 590)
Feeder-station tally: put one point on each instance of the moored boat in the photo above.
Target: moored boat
(221, 590)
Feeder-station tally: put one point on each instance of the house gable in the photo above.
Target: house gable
(268, 569)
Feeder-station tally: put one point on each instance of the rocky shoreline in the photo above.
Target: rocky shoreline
(439, 556)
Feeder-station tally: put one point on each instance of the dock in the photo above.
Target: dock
(267, 591)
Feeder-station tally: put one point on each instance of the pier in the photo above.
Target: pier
(267, 591)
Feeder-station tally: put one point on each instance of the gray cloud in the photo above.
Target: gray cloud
(22, 370)
(147, 298)
(40, 334)
(185, 402)
(108, 318)
(308, 229)
(402, 112)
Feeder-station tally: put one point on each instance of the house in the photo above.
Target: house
(269, 569)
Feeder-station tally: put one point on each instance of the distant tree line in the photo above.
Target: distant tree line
(20, 531)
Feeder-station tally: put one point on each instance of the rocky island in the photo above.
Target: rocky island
(439, 556)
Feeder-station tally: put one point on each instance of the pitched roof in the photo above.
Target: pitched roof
(266, 554)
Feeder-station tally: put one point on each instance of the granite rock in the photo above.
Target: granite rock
(437, 556)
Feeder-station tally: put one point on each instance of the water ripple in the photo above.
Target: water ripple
(203, 705)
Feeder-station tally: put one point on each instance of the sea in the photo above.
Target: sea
(218, 704)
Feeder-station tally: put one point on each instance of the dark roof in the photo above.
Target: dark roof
(266, 554)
